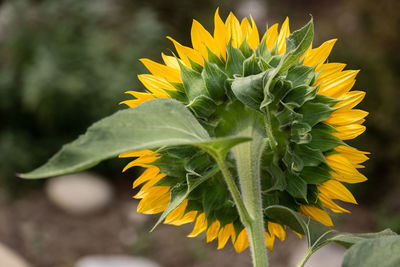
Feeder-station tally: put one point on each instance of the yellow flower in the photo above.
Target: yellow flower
(332, 81)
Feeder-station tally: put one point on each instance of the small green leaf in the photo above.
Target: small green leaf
(314, 112)
(296, 45)
(296, 186)
(234, 60)
(246, 49)
(155, 123)
(203, 106)
(251, 66)
(214, 79)
(192, 82)
(311, 157)
(300, 133)
(262, 51)
(316, 175)
(301, 94)
(323, 139)
(382, 252)
(249, 90)
(300, 75)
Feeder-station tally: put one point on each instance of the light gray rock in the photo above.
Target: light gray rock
(330, 255)
(10, 259)
(81, 193)
(115, 261)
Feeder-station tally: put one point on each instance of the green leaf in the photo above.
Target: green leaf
(246, 49)
(296, 186)
(382, 252)
(323, 139)
(249, 90)
(251, 66)
(301, 94)
(317, 234)
(155, 123)
(310, 156)
(192, 82)
(234, 60)
(278, 178)
(300, 75)
(262, 51)
(296, 45)
(300, 133)
(202, 106)
(314, 112)
(214, 79)
(316, 175)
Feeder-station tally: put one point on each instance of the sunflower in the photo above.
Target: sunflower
(312, 111)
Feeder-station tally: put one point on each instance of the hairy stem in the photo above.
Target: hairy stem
(243, 213)
(248, 156)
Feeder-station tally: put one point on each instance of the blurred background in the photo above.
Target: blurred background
(65, 64)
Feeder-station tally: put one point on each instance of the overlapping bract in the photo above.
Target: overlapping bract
(228, 77)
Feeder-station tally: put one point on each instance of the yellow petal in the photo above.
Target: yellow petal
(284, 32)
(245, 27)
(200, 225)
(157, 69)
(234, 31)
(177, 213)
(350, 131)
(277, 230)
(149, 173)
(185, 53)
(170, 61)
(187, 218)
(201, 39)
(327, 202)
(253, 38)
(148, 185)
(141, 161)
(336, 190)
(156, 200)
(212, 231)
(272, 36)
(155, 85)
(317, 214)
(224, 234)
(220, 35)
(353, 155)
(345, 117)
(338, 83)
(269, 240)
(345, 171)
(242, 241)
(134, 154)
(328, 69)
(140, 98)
(317, 56)
(350, 100)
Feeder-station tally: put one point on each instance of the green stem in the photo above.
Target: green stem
(268, 127)
(305, 258)
(244, 215)
(248, 157)
(254, 225)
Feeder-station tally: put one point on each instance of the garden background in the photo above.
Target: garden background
(65, 64)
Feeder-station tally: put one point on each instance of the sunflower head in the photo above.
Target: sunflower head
(276, 87)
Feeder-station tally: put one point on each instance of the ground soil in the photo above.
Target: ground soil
(48, 237)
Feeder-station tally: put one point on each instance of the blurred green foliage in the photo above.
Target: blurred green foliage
(64, 65)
